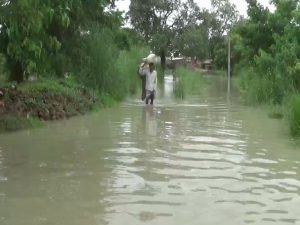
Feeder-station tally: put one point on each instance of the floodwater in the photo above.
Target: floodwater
(205, 160)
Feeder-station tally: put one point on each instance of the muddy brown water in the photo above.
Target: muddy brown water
(205, 160)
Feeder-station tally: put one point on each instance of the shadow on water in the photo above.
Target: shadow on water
(203, 160)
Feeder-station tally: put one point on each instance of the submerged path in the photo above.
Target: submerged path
(206, 160)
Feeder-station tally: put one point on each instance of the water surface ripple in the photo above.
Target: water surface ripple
(205, 160)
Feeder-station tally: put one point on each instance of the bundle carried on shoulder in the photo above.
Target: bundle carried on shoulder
(151, 58)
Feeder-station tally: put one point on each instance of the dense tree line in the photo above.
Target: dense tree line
(85, 39)
(267, 58)
(267, 45)
(182, 27)
(51, 38)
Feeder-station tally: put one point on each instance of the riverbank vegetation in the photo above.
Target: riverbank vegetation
(188, 82)
(266, 50)
(80, 51)
(63, 58)
(85, 43)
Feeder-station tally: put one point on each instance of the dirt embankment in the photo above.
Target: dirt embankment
(43, 100)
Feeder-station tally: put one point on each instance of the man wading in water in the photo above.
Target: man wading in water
(151, 81)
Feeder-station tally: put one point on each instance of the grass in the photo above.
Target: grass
(11, 123)
(272, 91)
(57, 86)
(107, 69)
(189, 82)
(3, 72)
(222, 73)
(107, 77)
(256, 89)
(276, 111)
(293, 114)
(127, 64)
(48, 99)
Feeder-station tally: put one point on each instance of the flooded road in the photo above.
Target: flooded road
(205, 160)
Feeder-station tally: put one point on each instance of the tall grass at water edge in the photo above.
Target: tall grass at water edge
(127, 65)
(256, 89)
(293, 114)
(280, 97)
(113, 73)
(188, 82)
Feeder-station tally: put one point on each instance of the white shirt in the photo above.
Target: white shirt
(151, 78)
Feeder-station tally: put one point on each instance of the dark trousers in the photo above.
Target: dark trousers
(143, 78)
(151, 98)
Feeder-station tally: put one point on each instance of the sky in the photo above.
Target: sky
(241, 5)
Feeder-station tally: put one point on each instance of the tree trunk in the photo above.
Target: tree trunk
(163, 59)
(18, 73)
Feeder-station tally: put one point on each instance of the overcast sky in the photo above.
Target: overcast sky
(241, 5)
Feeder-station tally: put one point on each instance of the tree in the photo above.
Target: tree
(194, 43)
(153, 20)
(269, 43)
(34, 32)
(224, 16)
(210, 26)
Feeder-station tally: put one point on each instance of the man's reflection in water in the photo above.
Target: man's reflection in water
(150, 121)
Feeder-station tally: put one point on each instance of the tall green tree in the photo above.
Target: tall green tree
(224, 16)
(194, 42)
(269, 43)
(34, 33)
(153, 20)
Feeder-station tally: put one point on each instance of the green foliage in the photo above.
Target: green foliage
(98, 64)
(127, 65)
(3, 71)
(268, 46)
(188, 82)
(66, 87)
(226, 15)
(159, 42)
(294, 115)
(151, 18)
(106, 69)
(256, 89)
(34, 32)
(48, 99)
(272, 54)
(220, 54)
(10, 123)
(194, 42)
(276, 111)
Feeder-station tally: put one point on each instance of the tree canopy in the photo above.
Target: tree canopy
(35, 32)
